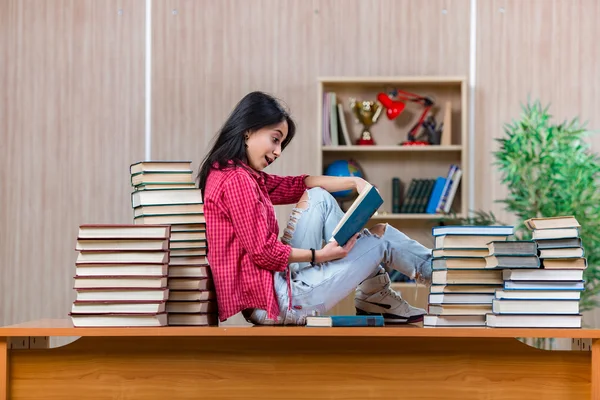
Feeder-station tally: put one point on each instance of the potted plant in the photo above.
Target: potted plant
(550, 171)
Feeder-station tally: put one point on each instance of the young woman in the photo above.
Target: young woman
(282, 281)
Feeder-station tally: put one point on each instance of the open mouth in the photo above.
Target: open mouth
(269, 160)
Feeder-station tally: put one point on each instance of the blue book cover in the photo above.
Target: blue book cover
(363, 208)
(436, 195)
(345, 320)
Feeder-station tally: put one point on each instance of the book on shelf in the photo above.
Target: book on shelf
(432, 195)
(335, 129)
(362, 209)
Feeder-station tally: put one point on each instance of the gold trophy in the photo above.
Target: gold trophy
(366, 113)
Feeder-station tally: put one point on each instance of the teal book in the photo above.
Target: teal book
(345, 320)
(359, 213)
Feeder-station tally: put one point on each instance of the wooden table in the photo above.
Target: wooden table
(295, 363)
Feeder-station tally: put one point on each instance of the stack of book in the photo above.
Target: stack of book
(545, 294)
(121, 275)
(165, 193)
(462, 287)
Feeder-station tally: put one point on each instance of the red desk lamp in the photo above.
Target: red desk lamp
(394, 107)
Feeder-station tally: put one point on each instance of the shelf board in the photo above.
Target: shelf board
(413, 216)
(437, 80)
(376, 148)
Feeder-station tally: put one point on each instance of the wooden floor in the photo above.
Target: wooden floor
(295, 363)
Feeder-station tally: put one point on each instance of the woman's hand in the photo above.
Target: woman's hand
(333, 251)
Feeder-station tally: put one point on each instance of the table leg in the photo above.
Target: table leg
(3, 368)
(596, 369)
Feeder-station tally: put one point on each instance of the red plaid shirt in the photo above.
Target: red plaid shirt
(242, 232)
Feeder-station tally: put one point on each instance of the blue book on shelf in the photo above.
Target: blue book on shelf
(345, 320)
(436, 195)
(363, 208)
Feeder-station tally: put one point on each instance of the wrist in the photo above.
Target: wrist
(318, 257)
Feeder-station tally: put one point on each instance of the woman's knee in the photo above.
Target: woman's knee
(303, 202)
(314, 196)
(318, 194)
(378, 229)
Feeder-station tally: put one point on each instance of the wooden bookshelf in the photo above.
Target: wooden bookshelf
(387, 158)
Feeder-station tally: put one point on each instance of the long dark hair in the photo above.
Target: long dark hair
(253, 112)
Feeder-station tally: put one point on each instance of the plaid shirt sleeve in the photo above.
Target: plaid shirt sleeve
(249, 219)
(285, 189)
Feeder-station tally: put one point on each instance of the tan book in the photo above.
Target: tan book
(162, 177)
(121, 320)
(188, 227)
(192, 244)
(195, 295)
(120, 257)
(198, 260)
(122, 244)
(168, 209)
(568, 221)
(163, 186)
(124, 294)
(187, 307)
(169, 219)
(188, 252)
(564, 263)
(465, 288)
(123, 231)
(172, 196)
(189, 284)
(160, 166)
(458, 263)
(113, 282)
(188, 236)
(457, 277)
(120, 307)
(122, 269)
(567, 252)
(460, 309)
(193, 319)
(558, 233)
(189, 271)
(460, 252)
(466, 241)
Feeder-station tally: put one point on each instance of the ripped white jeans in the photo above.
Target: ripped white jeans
(316, 289)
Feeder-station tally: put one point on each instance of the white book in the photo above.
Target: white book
(171, 196)
(533, 321)
(540, 274)
(454, 320)
(517, 306)
(121, 320)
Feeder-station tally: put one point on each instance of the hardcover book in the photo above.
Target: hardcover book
(363, 208)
